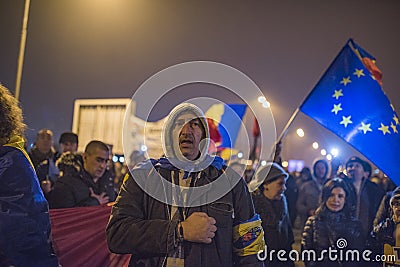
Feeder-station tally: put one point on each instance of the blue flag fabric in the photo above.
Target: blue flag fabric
(229, 125)
(349, 101)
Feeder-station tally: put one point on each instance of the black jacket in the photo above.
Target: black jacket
(278, 233)
(73, 190)
(324, 229)
(140, 225)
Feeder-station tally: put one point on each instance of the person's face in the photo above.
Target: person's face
(189, 132)
(95, 163)
(275, 189)
(336, 200)
(68, 146)
(395, 204)
(44, 142)
(320, 170)
(355, 170)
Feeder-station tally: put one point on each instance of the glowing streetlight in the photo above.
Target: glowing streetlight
(323, 152)
(261, 99)
(263, 163)
(315, 145)
(285, 164)
(300, 132)
(266, 104)
(329, 157)
(240, 155)
(143, 148)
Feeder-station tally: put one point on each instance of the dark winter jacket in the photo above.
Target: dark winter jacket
(44, 164)
(324, 229)
(368, 202)
(140, 224)
(24, 217)
(73, 190)
(275, 219)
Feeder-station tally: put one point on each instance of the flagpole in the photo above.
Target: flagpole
(22, 50)
(285, 129)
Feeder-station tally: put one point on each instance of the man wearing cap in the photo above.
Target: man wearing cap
(187, 208)
(368, 194)
(386, 235)
(268, 189)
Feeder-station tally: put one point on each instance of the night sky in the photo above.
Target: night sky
(106, 49)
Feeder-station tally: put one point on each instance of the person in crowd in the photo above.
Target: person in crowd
(43, 156)
(368, 194)
(68, 142)
(305, 176)
(332, 226)
(25, 228)
(384, 210)
(135, 157)
(268, 187)
(187, 208)
(385, 238)
(90, 187)
(309, 192)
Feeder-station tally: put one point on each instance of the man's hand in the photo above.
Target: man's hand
(102, 198)
(46, 186)
(199, 227)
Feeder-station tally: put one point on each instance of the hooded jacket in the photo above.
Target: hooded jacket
(140, 223)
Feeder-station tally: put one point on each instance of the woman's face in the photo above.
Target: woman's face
(336, 200)
(275, 189)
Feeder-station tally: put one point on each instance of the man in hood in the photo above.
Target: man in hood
(187, 208)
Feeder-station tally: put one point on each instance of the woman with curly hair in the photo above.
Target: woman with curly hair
(24, 214)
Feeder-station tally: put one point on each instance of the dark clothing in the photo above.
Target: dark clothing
(73, 190)
(278, 234)
(24, 215)
(44, 164)
(384, 210)
(323, 231)
(368, 201)
(141, 225)
(382, 236)
(291, 193)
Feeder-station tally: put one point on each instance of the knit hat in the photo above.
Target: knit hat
(68, 137)
(267, 174)
(355, 159)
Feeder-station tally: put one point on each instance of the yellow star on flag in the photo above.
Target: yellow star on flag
(337, 94)
(336, 108)
(384, 129)
(345, 121)
(396, 119)
(359, 73)
(393, 127)
(365, 127)
(345, 81)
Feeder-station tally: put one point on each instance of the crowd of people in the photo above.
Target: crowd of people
(188, 208)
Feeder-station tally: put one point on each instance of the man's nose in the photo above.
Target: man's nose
(186, 128)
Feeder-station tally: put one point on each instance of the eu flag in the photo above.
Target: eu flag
(349, 101)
